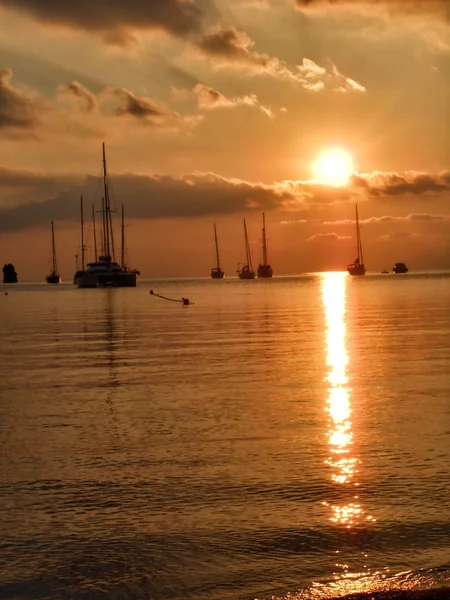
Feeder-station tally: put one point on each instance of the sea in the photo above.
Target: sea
(274, 439)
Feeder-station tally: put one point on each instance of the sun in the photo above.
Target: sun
(334, 167)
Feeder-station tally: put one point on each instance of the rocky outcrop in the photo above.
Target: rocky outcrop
(9, 274)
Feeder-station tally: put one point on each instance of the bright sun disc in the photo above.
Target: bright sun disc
(334, 167)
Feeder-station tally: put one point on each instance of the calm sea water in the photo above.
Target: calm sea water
(276, 437)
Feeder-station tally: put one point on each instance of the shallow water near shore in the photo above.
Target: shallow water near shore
(288, 436)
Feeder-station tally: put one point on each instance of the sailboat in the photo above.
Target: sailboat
(123, 247)
(80, 272)
(54, 276)
(357, 267)
(264, 269)
(247, 271)
(216, 272)
(105, 271)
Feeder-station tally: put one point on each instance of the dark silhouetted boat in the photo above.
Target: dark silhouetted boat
(357, 267)
(216, 272)
(105, 271)
(400, 268)
(264, 269)
(54, 276)
(247, 271)
(9, 274)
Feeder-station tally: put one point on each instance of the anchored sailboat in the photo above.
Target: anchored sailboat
(105, 271)
(54, 276)
(78, 272)
(357, 267)
(247, 271)
(264, 269)
(216, 272)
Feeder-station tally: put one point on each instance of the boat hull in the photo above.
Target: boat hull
(400, 268)
(217, 274)
(95, 280)
(53, 278)
(265, 271)
(356, 269)
(246, 275)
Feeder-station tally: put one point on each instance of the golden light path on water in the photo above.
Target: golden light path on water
(342, 461)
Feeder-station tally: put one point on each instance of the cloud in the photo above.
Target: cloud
(19, 111)
(147, 197)
(115, 19)
(328, 238)
(404, 6)
(209, 98)
(420, 217)
(395, 184)
(79, 91)
(399, 236)
(232, 48)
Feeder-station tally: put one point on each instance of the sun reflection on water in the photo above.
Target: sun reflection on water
(342, 461)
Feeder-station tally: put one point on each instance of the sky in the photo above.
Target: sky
(216, 110)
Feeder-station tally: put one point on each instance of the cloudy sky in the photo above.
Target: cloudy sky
(212, 110)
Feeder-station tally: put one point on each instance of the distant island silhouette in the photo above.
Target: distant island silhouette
(9, 274)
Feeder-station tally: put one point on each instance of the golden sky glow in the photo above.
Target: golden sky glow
(215, 111)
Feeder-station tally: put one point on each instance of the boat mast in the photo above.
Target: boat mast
(103, 227)
(54, 266)
(217, 248)
(109, 238)
(82, 234)
(264, 240)
(247, 248)
(358, 239)
(122, 256)
(95, 233)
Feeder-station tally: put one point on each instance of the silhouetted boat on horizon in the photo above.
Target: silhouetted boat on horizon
(357, 267)
(104, 271)
(264, 269)
(216, 272)
(247, 271)
(400, 268)
(9, 274)
(54, 276)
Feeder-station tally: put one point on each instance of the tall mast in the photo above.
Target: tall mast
(122, 256)
(54, 265)
(103, 227)
(217, 248)
(95, 233)
(264, 240)
(109, 230)
(82, 234)
(247, 248)
(358, 239)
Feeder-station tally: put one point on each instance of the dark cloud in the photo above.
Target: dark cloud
(395, 184)
(146, 197)
(232, 45)
(136, 106)
(19, 112)
(115, 18)
(79, 91)
(328, 237)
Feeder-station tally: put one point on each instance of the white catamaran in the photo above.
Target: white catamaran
(247, 271)
(264, 269)
(105, 271)
(54, 276)
(216, 272)
(357, 267)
